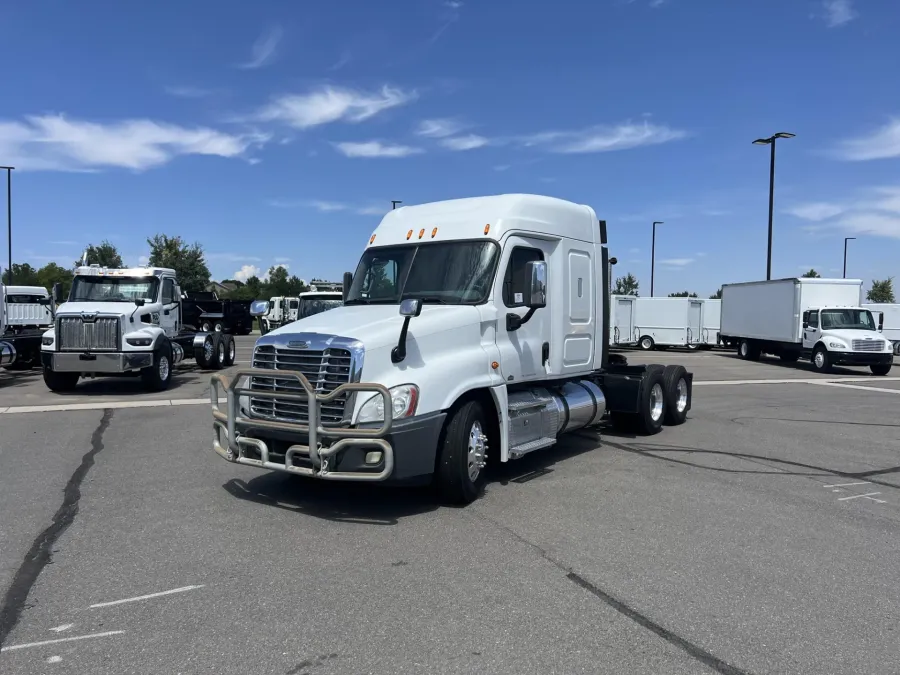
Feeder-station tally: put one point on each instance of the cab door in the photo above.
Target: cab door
(525, 351)
(811, 329)
(168, 316)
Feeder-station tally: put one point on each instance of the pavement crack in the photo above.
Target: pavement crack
(41, 552)
(695, 651)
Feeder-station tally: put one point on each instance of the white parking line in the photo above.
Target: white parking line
(150, 596)
(831, 381)
(60, 629)
(101, 405)
(839, 485)
(89, 636)
(861, 388)
(870, 495)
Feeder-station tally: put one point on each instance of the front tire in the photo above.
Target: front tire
(646, 343)
(821, 360)
(748, 351)
(463, 455)
(880, 369)
(158, 377)
(60, 382)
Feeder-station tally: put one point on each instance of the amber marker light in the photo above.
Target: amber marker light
(408, 235)
(372, 238)
(487, 228)
(421, 233)
(433, 232)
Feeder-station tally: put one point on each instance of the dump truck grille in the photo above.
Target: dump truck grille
(325, 369)
(100, 334)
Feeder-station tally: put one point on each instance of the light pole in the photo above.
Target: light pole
(9, 170)
(771, 141)
(394, 203)
(653, 255)
(846, 239)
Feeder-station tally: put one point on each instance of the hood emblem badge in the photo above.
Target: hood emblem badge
(88, 316)
(298, 344)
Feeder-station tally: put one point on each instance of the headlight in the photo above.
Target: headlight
(837, 345)
(47, 341)
(139, 341)
(404, 398)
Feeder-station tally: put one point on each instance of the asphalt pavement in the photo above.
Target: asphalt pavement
(759, 537)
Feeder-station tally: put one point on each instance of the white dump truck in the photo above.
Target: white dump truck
(650, 323)
(472, 329)
(25, 313)
(816, 319)
(126, 322)
(890, 318)
(284, 310)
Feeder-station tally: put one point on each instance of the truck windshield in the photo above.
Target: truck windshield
(451, 273)
(310, 306)
(858, 319)
(114, 289)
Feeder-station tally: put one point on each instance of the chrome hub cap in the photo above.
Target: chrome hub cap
(164, 368)
(681, 390)
(656, 402)
(744, 349)
(208, 350)
(477, 451)
(645, 344)
(231, 350)
(221, 353)
(820, 360)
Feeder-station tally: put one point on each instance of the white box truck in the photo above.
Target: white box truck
(890, 317)
(472, 328)
(659, 322)
(816, 319)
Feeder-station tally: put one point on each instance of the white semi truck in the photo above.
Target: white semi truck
(472, 329)
(126, 322)
(816, 319)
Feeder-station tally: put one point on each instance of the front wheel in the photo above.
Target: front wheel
(463, 455)
(821, 360)
(158, 376)
(880, 368)
(60, 382)
(646, 343)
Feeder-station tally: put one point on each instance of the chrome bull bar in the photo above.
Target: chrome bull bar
(232, 424)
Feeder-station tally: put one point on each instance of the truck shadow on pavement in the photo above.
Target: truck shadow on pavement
(14, 378)
(804, 367)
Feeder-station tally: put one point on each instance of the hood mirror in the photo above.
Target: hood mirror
(411, 307)
(259, 307)
(57, 293)
(408, 309)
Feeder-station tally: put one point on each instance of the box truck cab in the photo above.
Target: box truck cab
(472, 329)
(816, 319)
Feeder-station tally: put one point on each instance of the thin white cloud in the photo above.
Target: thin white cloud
(58, 143)
(371, 149)
(501, 167)
(230, 257)
(372, 211)
(883, 143)
(453, 4)
(815, 211)
(449, 17)
(470, 142)
(838, 12)
(188, 92)
(330, 104)
(263, 50)
(634, 250)
(327, 207)
(439, 128)
(344, 59)
(657, 3)
(676, 262)
(604, 138)
(246, 272)
(63, 243)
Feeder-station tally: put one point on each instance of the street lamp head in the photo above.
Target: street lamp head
(657, 222)
(849, 238)
(783, 134)
(762, 141)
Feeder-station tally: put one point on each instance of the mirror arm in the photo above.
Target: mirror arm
(398, 353)
(514, 321)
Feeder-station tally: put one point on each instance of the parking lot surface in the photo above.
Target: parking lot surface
(759, 537)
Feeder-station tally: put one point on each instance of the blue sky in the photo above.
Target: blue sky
(277, 132)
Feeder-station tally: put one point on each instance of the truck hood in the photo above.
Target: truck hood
(849, 335)
(379, 326)
(118, 308)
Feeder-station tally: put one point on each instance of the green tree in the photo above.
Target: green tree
(52, 273)
(881, 291)
(683, 294)
(105, 255)
(187, 260)
(23, 274)
(278, 283)
(717, 295)
(627, 285)
(812, 274)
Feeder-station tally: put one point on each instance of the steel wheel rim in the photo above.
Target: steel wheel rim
(820, 359)
(477, 451)
(645, 343)
(656, 402)
(164, 368)
(681, 389)
(744, 349)
(221, 352)
(208, 350)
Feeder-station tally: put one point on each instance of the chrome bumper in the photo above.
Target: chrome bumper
(118, 362)
(324, 444)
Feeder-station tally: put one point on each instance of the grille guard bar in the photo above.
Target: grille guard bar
(231, 421)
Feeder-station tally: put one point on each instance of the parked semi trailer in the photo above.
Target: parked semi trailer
(649, 323)
(126, 322)
(472, 329)
(204, 311)
(816, 319)
(890, 317)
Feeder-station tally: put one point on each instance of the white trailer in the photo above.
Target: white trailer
(25, 312)
(890, 317)
(659, 322)
(712, 322)
(816, 319)
(28, 307)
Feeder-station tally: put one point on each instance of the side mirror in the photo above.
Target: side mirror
(259, 307)
(46, 302)
(348, 281)
(57, 293)
(880, 321)
(805, 324)
(411, 307)
(536, 274)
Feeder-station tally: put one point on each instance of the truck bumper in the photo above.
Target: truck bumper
(64, 362)
(861, 358)
(401, 451)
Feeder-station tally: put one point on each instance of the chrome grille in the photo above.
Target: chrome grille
(75, 334)
(868, 345)
(325, 369)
